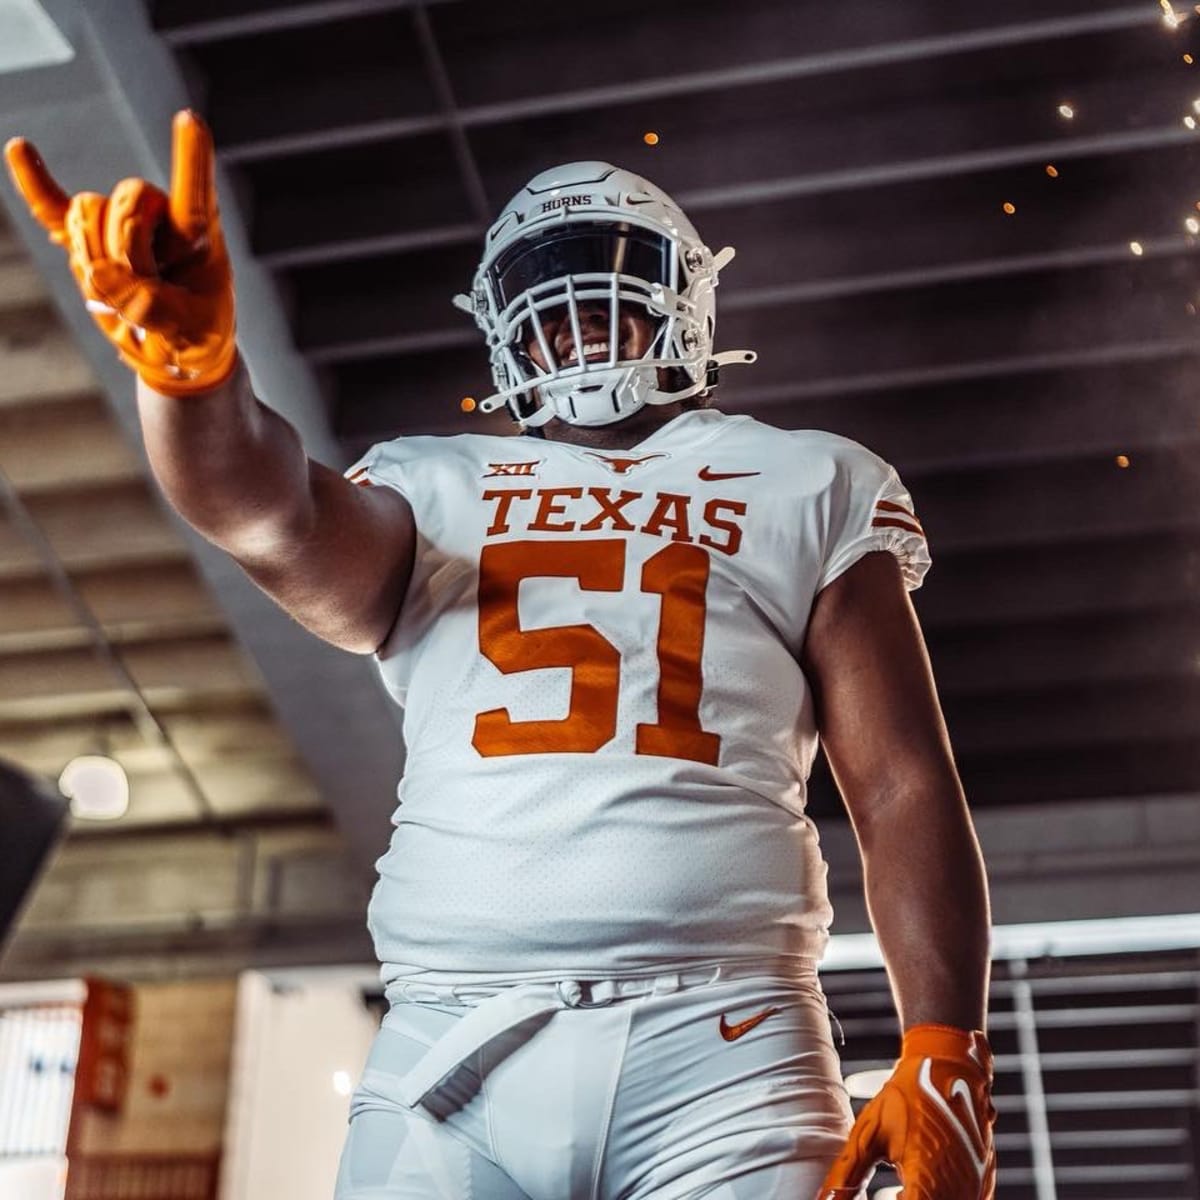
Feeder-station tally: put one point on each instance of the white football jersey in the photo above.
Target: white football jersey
(608, 730)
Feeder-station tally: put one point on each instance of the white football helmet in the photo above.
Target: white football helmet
(587, 234)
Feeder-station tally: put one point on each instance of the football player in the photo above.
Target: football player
(618, 639)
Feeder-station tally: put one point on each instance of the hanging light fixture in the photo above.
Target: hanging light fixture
(97, 787)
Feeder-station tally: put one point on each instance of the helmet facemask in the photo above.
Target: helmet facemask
(558, 273)
(613, 242)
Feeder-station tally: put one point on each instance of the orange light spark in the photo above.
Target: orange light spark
(467, 404)
(650, 137)
(1122, 461)
(1052, 170)
(1009, 208)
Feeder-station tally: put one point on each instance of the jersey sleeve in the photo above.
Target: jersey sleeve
(383, 465)
(869, 509)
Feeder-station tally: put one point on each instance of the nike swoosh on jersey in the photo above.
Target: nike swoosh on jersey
(731, 1033)
(711, 475)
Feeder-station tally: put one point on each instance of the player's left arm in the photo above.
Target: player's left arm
(881, 724)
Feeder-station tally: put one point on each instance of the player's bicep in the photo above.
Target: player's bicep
(343, 570)
(876, 704)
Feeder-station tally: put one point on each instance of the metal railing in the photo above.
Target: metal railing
(1097, 1071)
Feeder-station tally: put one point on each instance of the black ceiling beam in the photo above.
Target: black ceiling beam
(312, 141)
(1081, 413)
(372, 248)
(938, 116)
(1016, 775)
(1108, 648)
(662, 85)
(1113, 355)
(1059, 500)
(1110, 572)
(725, 51)
(804, 248)
(221, 20)
(443, 90)
(1132, 311)
(815, 291)
(939, 167)
(1097, 715)
(748, 194)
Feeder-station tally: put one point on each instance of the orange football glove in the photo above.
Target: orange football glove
(153, 269)
(932, 1120)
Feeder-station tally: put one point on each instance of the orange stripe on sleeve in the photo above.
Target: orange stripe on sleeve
(892, 506)
(898, 524)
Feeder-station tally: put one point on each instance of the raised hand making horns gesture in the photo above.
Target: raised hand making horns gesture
(152, 267)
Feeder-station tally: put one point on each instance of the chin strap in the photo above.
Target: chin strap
(727, 358)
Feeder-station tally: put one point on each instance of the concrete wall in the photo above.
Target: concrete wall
(168, 905)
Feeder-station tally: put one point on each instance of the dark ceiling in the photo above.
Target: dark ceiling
(858, 156)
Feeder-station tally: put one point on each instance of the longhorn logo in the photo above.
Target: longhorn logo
(622, 466)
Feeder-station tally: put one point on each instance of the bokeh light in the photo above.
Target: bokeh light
(97, 787)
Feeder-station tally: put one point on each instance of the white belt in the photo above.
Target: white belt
(495, 1011)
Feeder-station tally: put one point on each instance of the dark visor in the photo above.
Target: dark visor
(581, 249)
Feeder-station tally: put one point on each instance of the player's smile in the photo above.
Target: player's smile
(593, 352)
(634, 332)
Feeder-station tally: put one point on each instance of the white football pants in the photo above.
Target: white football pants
(618, 1090)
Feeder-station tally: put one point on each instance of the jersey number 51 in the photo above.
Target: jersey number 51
(678, 573)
